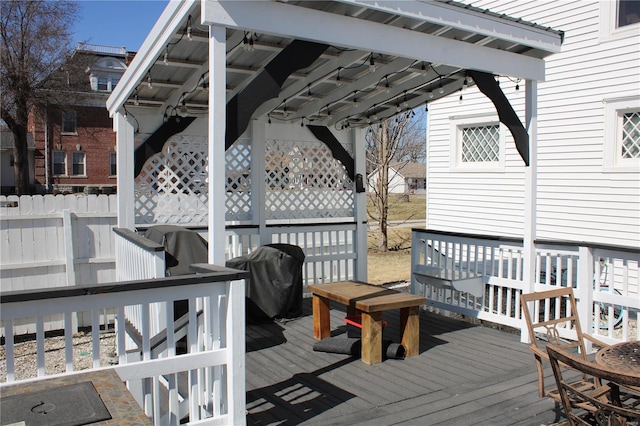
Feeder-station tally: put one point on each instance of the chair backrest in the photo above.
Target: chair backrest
(554, 313)
(605, 407)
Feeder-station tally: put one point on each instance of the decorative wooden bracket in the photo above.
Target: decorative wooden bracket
(323, 134)
(267, 84)
(488, 85)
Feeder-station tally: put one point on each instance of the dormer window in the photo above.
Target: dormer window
(106, 74)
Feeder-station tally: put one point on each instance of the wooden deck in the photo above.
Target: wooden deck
(465, 375)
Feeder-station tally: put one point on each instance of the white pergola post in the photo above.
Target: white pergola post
(125, 144)
(530, 190)
(360, 213)
(216, 130)
(258, 190)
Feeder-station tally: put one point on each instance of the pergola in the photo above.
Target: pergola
(332, 68)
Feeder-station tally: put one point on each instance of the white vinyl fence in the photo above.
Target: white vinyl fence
(56, 241)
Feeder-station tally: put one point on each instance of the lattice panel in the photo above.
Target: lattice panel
(172, 186)
(238, 173)
(631, 135)
(303, 180)
(480, 144)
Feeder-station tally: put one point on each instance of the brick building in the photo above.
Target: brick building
(75, 145)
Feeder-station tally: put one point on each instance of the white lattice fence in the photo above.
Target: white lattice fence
(172, 186)
(304, 181)
(238, 183)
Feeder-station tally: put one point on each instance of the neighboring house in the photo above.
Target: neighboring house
(586, 167)
(75, 146)
(404, 178)
(7, 177)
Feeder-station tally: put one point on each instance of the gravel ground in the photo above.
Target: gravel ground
(26, 361)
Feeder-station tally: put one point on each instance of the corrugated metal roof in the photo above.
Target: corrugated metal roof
(338, 89)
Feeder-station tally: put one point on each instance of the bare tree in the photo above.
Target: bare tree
(401, 138)
(36, 40)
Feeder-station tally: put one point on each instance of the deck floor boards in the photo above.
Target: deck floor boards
(465, 374)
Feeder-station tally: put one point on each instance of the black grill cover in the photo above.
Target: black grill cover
(274, 287)
(183, 247)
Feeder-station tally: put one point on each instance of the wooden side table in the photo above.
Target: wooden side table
(369, 301)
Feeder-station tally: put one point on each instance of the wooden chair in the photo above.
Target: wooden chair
(611, 404)
(554, 310)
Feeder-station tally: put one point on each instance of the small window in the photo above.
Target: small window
(628, 13)
(480, 144)
(78, 163)
(113, 164)
(59, 159)
(69, 122)
(622, 134)
(103, 83)
(12, 160)
(477, 143)
(619, 18)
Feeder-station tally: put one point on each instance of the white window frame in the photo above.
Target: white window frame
(614, 110)
(609, 22)
(455, 133)
(84, 163)
(53, 163)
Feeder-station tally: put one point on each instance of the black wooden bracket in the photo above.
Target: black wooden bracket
(491, 89)
(267, 84)
(156, 141)
(323, 134)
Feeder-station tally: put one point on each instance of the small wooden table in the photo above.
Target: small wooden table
(623, 357)
(370, 301)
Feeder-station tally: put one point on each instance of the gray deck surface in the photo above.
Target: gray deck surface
(465, 375)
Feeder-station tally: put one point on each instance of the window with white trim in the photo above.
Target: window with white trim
(619, 18)
(622, 134)
(59, 163)
(69, 122)
(478, 144)
(78, 167)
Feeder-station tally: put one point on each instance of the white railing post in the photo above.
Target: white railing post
(417, 248)
(584, 291)
(235, 340)
(530, 195)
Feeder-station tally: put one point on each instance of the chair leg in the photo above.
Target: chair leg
(541, 392)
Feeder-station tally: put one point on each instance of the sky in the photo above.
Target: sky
(119, 23)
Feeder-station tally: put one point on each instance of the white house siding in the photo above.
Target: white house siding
(578, 197)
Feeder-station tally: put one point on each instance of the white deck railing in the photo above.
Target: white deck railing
(212, 365)
(330, 249)
(605, 279)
